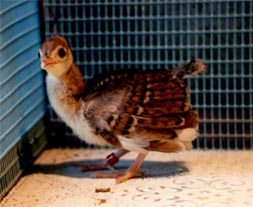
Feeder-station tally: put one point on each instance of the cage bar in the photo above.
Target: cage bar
(151, 35)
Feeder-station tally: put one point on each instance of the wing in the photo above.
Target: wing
(156, 102)
(152, 106)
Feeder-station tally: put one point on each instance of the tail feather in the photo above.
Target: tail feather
(192, 68)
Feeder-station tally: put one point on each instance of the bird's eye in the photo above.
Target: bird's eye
(39, 54)
(61, 53)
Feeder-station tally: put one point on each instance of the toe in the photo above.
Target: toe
(123, 178)
(106, 175)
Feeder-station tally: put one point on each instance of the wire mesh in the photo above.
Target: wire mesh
(114, 35)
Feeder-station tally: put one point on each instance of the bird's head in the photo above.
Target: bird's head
(55, 56)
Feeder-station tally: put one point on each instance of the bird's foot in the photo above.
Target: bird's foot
(106, 164)
(88, 166)
(94, 166)
(127, 175)
(120, 176)
(113, 174)
(132, 171)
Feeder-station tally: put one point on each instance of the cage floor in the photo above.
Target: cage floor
(196, 178)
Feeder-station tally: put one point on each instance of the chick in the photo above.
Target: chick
(135, 111)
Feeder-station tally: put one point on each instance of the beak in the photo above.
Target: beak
(45, 62)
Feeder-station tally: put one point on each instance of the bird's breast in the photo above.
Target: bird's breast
(71, 113)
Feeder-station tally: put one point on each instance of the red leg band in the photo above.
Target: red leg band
(112, 159)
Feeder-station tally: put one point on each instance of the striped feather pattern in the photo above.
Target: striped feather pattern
(147, 105)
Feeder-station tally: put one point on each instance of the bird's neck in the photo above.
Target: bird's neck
(65, 92)
(72, 82)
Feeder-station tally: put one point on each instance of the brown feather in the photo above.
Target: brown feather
(145, 103)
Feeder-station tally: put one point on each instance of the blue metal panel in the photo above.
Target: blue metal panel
(22, 96)
(117, 34)
(21, 83)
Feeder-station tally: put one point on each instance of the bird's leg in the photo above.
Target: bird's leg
(123, 176)
(133, 169)
(108, 163)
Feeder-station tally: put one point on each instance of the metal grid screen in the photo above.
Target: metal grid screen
(113, 35)
(21, 85)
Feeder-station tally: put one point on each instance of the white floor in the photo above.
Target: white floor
(189, 179)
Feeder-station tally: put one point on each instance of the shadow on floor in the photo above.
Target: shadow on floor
(73, 169)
